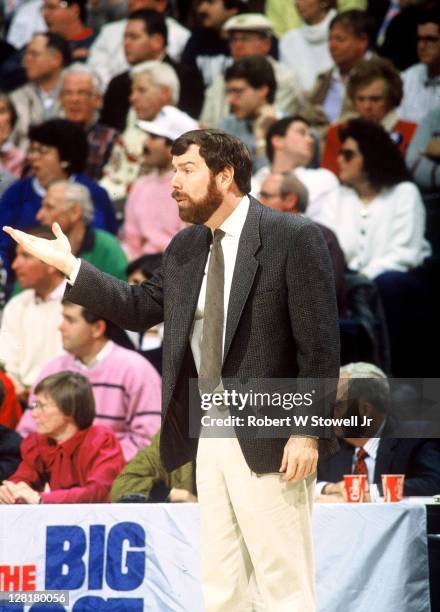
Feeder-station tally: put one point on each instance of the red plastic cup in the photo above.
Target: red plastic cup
(355, 487)
(393, 487)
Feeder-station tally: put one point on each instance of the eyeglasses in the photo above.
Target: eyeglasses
(429, 40)
(235, 91)
(347, 154)
(39, 150)
(37, 405)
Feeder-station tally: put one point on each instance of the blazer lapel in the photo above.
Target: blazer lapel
(244, 272)
(385, 453)
(187, 283)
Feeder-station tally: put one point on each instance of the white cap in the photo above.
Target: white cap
(252, 22)
(170, 123)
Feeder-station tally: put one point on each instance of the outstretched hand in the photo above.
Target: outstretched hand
(56, 253)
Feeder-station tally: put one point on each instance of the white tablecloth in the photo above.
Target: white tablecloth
(134, 558)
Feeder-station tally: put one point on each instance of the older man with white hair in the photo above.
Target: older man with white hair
(81, 98)
(145, 39)
(70, 205)
(372, 449)
(153, 86)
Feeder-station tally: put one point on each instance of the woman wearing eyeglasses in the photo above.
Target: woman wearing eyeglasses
(378, 215)
(68, 460)
(375, 89)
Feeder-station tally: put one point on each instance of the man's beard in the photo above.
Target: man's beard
(199, 211)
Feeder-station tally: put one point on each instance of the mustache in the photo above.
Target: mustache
(177, 194)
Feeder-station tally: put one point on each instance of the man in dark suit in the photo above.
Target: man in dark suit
(259, 304)
(376, 452)
(145, 39)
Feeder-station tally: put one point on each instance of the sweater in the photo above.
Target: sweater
(151, 216)
(310, 43)
(127, 391)
(30, 335)
(104, 251)
(386, 234)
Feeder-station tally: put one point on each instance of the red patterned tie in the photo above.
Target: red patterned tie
(360, 466)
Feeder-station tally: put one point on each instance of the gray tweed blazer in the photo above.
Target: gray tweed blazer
(281, 323)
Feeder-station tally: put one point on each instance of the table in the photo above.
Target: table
(144, 557)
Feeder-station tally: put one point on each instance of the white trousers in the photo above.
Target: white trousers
(254, 529)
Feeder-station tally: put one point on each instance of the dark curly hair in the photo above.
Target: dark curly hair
(67, 137)
(257, 71)
(219, 149)
(384, 165)
(367, 71)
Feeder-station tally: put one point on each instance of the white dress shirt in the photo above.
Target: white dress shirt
(232, 226)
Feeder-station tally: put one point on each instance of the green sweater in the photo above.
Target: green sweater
(146, 469)
(104, 251)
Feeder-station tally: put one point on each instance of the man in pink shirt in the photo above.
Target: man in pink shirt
(151, 215)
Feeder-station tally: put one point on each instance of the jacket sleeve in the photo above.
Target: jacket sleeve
(135, 308)
(314, 323)
(312, 304)
(141, 473)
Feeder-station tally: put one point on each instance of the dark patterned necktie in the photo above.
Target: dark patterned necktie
(211, 349)
(360, 466)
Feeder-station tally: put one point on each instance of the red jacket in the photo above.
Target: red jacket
(80, 470)
(402, 133)
(10, 410)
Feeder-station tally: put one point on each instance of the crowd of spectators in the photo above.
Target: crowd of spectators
(339, 105)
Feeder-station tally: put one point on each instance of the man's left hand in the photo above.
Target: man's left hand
(300, 458)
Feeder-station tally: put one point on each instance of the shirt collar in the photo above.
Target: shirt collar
(55, 296)
(233, 224)
(70, 445)
(41, 191)
(99, 357)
